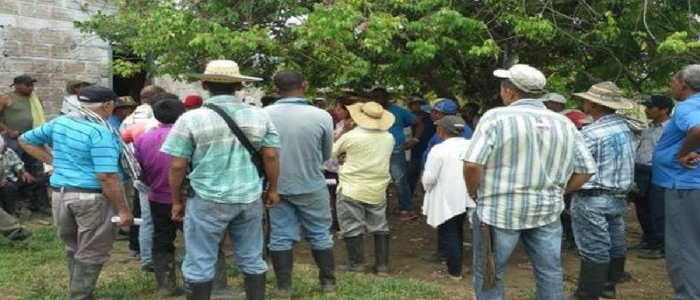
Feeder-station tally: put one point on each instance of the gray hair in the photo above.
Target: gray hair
(690, 75)
(91, 105)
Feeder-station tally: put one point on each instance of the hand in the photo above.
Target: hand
(689, 160)
(271, 199)
(126, 219)
(410, 144)
(28, 178)
(13, 133)
(177, 213)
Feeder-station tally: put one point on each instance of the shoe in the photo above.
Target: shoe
(82, 283)
(165, 273)
(254, 286)
(615, 273)
(283, 264)
(356, 256)
(326, 270)
(381, 253)
(591, 279)
(433, 258)
(406, 216)
(443, 274)
(652, 254)
(198, 291)
(641, 246)
(148, 267)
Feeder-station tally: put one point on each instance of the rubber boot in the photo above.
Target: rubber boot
(326, 270)
(221, 289)
(254, 286)
(381, 253)
(198, 291)
(82, 283)
(591, 279)
(615, 273)
(164, 270)
(356, 255)
(283, 264)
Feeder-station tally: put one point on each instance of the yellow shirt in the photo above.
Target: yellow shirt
(365, 173)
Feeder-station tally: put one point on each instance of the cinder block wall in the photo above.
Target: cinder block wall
(37, 37)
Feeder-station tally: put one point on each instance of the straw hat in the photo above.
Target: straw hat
(223, 71)
(371, 115)
(607, 94)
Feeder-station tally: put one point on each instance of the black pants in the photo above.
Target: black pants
(38, 195)
(134, 229)
(451, 235)
(414, 170)
(566, 219)
(649, 206)
(164, 228)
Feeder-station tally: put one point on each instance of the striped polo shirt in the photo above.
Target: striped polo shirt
(611, 142)
(528, 153)
(81, 148)
(222, 170)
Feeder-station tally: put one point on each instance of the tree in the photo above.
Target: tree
(431, 46)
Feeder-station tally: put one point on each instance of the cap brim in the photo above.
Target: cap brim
(501, 73)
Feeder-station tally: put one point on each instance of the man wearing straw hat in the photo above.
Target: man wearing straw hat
(361, 202)
(521, 161)
(597, 209)
(226, 183)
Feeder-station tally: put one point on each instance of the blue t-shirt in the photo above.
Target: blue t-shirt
(404, 118)
(81, 149)
(666, 171)
(114, 121)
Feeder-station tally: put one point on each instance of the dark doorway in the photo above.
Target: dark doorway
(129, 86)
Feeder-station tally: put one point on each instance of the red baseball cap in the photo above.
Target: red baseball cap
(193, 101)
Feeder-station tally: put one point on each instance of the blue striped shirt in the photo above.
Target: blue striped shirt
(611, 142)
(81, 149)
(222, 170)
(529, 154)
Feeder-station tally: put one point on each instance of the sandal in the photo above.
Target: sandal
(444, 274)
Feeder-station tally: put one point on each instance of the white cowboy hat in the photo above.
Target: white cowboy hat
(371, 115)
(223, 71)
(607, 94)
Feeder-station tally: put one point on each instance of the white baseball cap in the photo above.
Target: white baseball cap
(554, 97)
(524, 77)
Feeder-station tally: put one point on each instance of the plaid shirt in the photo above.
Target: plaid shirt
(222, 170)
(11, 165)
(612, 144)
(529, 154)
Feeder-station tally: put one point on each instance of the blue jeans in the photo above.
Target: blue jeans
(312, 211)
(146, 228)
(543, 248)
(683, 242)
(598, 226)
(398, 170)
(205, 221)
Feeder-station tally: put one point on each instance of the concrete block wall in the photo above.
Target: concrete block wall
(37, 37)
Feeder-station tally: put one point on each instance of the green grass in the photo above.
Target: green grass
(35, 269)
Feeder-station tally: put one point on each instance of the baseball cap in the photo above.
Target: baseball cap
(659, 101)
(524, 77)
(554, 97)
(22, 79)
(425, 108)
(452, 124)
(445, 106)
(193, 101)
(125, 101)
(96, 94)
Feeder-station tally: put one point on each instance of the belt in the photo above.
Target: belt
(598, 192)
(72, 189)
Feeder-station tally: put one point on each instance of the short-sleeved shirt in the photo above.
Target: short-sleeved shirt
(306, 135)
(222, 170)
(611, 142)
(11, 165)
(650, 137)
(365, 173)
(81, 148)
(666, 171)
(529, 154)
(403, 118)
(154, 164)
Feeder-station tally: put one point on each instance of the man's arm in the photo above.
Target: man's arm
(576, 181)
(176, 174)
(472, 173)
(39, 152)
(685, 156)
(271, 162)
(4, 101)
(114, 191)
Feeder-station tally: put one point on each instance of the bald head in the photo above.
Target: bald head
(148, 92)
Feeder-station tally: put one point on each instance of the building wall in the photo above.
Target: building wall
(37, 37)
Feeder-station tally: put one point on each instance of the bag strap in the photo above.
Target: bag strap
(234, 127)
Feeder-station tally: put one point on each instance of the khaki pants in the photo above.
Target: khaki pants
(8, 223)
(355, 217)
(83, 224)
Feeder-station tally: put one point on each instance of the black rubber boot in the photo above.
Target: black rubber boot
(591, 279)
(326, 270)
(221, 289)
(254, 286)
(82, 283)
(615, 273)
(198, 291)
(164, 270)
(283, 264)
(381, 253)
(356, 255)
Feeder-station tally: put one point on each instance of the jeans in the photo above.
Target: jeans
(598, 226)
(451, 236)
(683, 242)
(398, 170)
(311, 211)
(543, 248)
(164, 228)
(206, 221)
(146, 227)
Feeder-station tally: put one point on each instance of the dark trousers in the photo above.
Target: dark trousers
(451, 236)
(165, 229)
(38, 195)
(566, 219)
(134, 229)
(414, 171)
(649, 206)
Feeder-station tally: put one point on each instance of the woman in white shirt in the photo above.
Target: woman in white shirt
(446, 200)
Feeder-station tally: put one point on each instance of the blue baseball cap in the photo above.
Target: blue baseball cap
(425, 108)
(446, 106)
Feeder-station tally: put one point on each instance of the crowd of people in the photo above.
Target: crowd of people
(531, 171)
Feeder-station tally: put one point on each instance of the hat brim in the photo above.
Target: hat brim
(224, 78)
(126, 105)
(368, 122)
(624, 103)
(23, 82)
(501, 73)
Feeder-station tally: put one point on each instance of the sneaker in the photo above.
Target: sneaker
(406, 216)
(652, 254)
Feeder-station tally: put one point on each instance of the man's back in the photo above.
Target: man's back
(306, 135)
(611, 143)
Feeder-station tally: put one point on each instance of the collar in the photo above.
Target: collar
(165, 125)
(293, 100)
(607, 119)
(222, 99)
(693, 97)
(535, 103)
(657, 125)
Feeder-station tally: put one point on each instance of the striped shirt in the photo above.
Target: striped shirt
(528, 153)
(81, 148)
(222, 170)
(611, 142)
